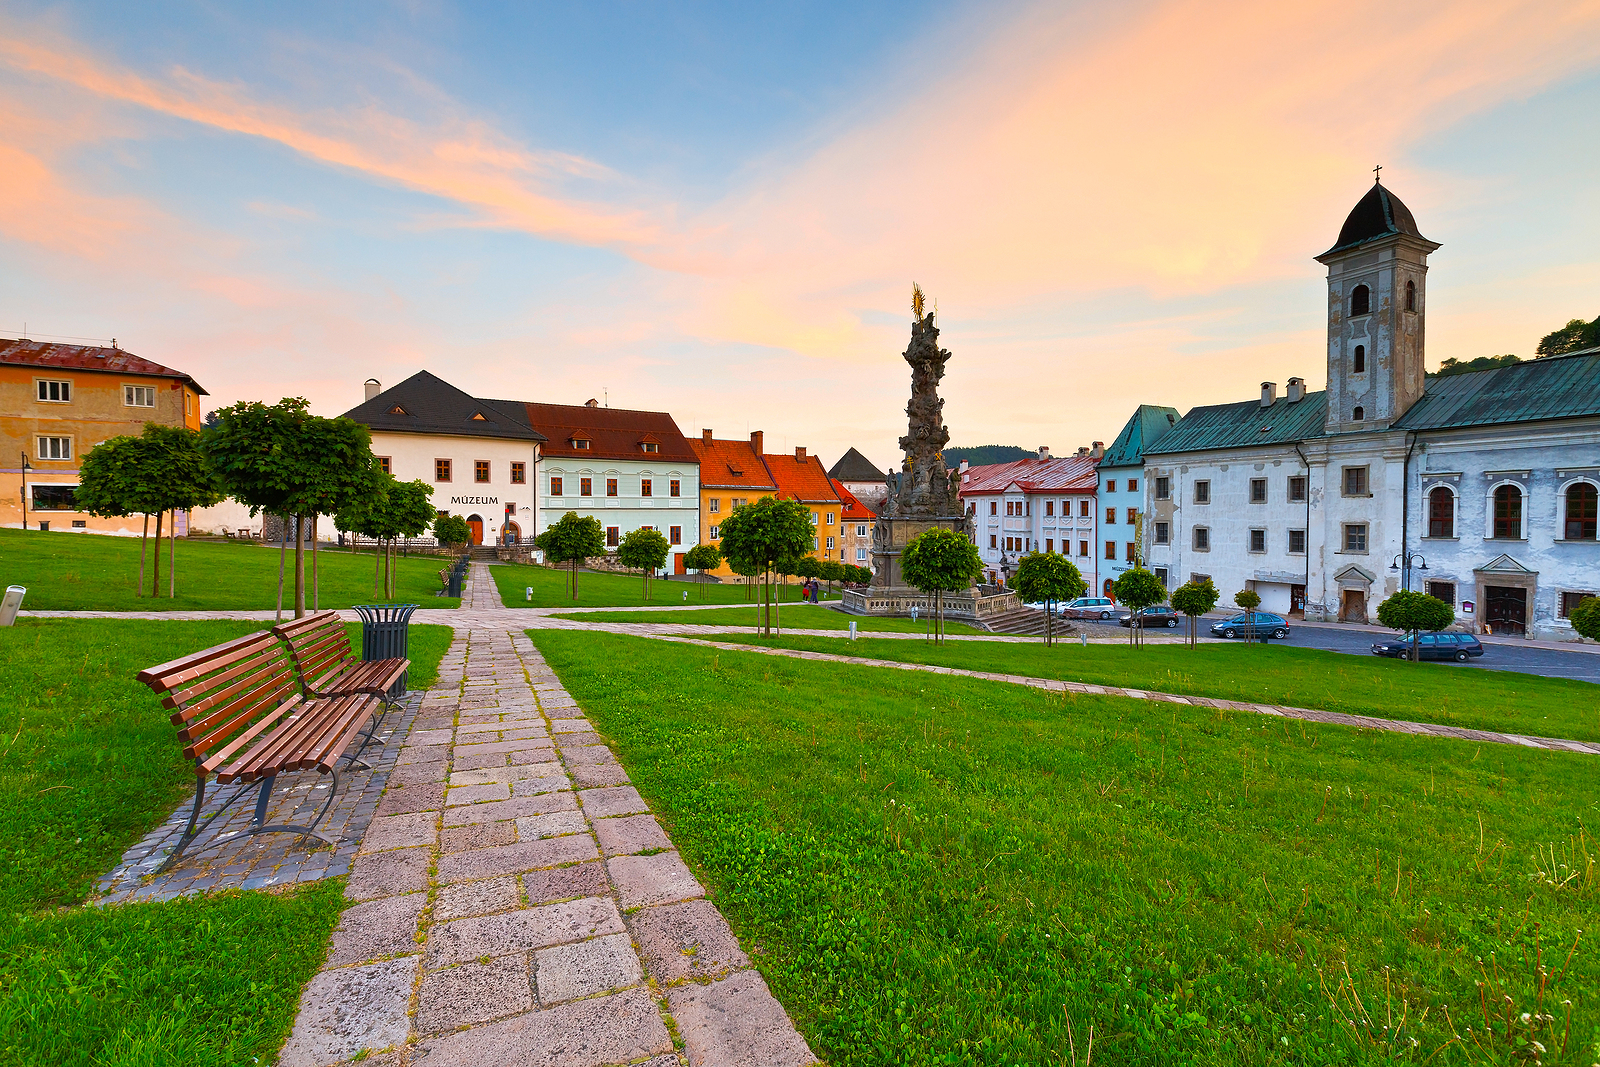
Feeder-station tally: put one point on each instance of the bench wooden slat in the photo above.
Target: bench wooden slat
(320, 648)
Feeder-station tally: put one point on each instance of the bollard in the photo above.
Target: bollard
(852, 631)
(11, 604)
(530, 593)
(1083, 639)
(686, 596)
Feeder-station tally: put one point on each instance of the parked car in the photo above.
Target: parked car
(1090, 607)
(1457, 646)
(1159, 615)
(1252, 624)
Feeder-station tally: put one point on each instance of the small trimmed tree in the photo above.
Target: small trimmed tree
(830, 571)
(1412, 612)
(1045, 577)
(703, 558)
(1248, 599)
(110, 484)
(1586, 618)
(1138, 589)
(645, 550)
(859, 575)
(452, 530)
(572, 539)
(807, 567)
(940, 561)
(1194, 599)
(765, 534)
(392, 509)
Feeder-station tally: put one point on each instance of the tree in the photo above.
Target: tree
(859, 575)
(1452, 366)
(1139, 589)
(1248, 599)
(393, 509)
(1586, 618)
(1045, 577)
(763, 535)
(1194, 599)
(452, 530)
(110, 482)
(940, 561)
(807, 567)
(749, 572)
(572, 539)
(645, 549)
(830, 571)
(1575, 336)
(1410, 611)
(703, 558)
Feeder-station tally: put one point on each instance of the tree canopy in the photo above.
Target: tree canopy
(940, 561)
(1194, 599)
(1586, 618)
(704, 558)
(572, 539)
(1410, 611)
(453, 530)
(1138, 589)
(1248, 599)
(1466, 366)
(645, 550)
(1044, 577)
(1575, 336)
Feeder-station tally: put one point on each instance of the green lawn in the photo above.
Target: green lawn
(88, 572)
(597, 589)
(88, 764)
(1274, 674)
(792, 616)
(946, 871)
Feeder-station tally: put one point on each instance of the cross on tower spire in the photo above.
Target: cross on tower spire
(1376, 177)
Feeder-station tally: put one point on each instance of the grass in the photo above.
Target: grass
(88, 764)
(792, 616)
(86, 572)
(598, 589)
(1298, 677)
(948, 871)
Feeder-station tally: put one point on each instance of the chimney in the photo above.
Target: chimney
(1098, 451)
(1083, 452)
(799, 454)
(372, 387)
(705, 436)
(591, 403)
(1044, 451)
(1297, 390)
(758, 441)
(963, 467)
(1269, 393)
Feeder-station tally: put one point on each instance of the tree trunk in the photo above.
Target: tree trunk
(144, 548)
(172, 558)
(315, 599)
(155, 561)
(283, 548)
(377, 572)
(299, 569)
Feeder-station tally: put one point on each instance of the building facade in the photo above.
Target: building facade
(856, 524)
(1122, 493)
(866, 483)
(56, 403)
(800, 477)
(732, 473)
(1037, 504)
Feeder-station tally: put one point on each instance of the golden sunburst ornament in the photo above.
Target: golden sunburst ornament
(917, 300)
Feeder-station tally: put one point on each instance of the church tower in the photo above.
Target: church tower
(1377, 301)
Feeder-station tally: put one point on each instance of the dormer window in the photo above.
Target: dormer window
(398, 410)
(580, 443)
(477, 416)
(650, 446)
(1360, 300)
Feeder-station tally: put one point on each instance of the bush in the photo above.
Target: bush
(1586, 618)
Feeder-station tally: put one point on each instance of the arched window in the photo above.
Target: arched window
(1359, 363)
(1583, 507)
(1441, 512)
(1411, 296)
(1508, 512)
(1360, 300)
(1358, 413)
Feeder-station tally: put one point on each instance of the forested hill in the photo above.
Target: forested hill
(983, 455)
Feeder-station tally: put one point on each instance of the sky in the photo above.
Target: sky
(718, 210)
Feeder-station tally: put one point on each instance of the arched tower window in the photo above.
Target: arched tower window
(1358, 413)
(1508, 512)
(1441, 512)
(1583, 508)
(1411, 296)
(1359, 364)
(1360, 300)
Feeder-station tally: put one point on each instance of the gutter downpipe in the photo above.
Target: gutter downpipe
(1307, 464)
(1405, 515)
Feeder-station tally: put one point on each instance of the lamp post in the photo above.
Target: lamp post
(26, 467)
(1403, 562)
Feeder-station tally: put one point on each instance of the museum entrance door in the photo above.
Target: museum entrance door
(475, 524)
(1507, 610)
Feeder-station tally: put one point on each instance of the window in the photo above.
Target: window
(1569, 604)
(53, 497)
(1508, 512)
(1161, 576)
(1258, 490)
(188, 402)
(1133, 516)
(586, 487)
(1111, 550)
(54, 392)
(441, 470)
(1111, 485)
(830, 544)
(1163, 533)
(651, 446)
(138, 396)
(1083, 548)
(830, 518)
(674, 488)
(1258, 540)
(1360, 300)
(1130, 552)
(814, 544)
(861, 529)
(1083, 511)
(1355, 482)
(1133, 485)
(1445, 591)
(861, 555)
(1358, 363)
(555, 486)
(1163, 488)
(674, 535)
(1583, 505)
(1049, 544)
(519, 474)
(1297, 488)
(993, 541)
(1411, 296)
(1202, 492)
(1358, 413)
(1441, 512)
(580, 443)
(814, 518)
(385, 464)
(613, 536)
(1111, 516)
(1297, 542)
(480, 470)
(1049, 508)
(738, 502)
(1202, 539)
(647, 487)
(1355, 537)
(994, 509)
(714, 505)
(714, 532)
(611, 487)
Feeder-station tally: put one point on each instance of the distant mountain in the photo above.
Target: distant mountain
(983, 455)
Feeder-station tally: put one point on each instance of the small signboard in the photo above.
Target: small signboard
(1466, 607)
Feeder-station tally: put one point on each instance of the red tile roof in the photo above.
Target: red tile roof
(730, 464)
(854, 510)
(801, 477)
(613, 433)
(86, 358)
(1067, 474)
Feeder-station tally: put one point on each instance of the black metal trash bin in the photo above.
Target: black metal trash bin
(457, 576)
(385, 633)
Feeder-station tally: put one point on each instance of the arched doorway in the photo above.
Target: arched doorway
(512, 534)
(1107, 589)
(475, 524)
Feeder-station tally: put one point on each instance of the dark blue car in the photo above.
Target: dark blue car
(1252, 624)
(1457, 646)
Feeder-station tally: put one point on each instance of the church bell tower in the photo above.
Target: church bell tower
(1377, 309)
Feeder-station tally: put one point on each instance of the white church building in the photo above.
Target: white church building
(1479, 488)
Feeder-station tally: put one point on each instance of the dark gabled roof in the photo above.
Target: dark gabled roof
(1378, 214)
(614, 433)
(47, 356)
(424, 403)
(854, 467)
(1143, 429)
(851, 509)
(1554, 387)
(1245, 424)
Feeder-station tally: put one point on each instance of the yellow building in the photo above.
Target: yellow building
(802, 477)
(59, 401)
(731, 473)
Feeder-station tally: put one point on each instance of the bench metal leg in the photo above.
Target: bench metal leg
(263, 796)
(309, 830)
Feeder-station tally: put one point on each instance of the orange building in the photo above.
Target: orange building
(856, 523)
(59, 401)
(731, 473)
(802, 477)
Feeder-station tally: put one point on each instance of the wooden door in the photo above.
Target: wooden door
(1507, 610)
(475, 525)
(677, 564)
(1352, 606)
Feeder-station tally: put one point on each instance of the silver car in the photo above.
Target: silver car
(1090, 607)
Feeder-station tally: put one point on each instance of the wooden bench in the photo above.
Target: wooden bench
(328, 667)
(240, 719)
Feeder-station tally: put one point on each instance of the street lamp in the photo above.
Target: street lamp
(1403, 563)
(26, 467)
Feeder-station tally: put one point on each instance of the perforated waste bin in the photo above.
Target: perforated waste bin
(385, 633)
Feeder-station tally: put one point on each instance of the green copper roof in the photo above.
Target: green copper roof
(1556, 387)
(1144, 428)
(1248, 423)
